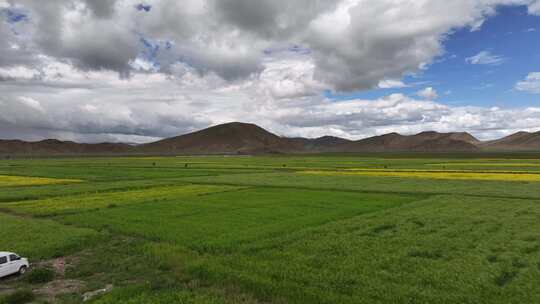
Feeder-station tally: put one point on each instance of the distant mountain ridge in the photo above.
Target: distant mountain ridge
(520, 141)
(422, 142)
(250, 139)
(54, 147)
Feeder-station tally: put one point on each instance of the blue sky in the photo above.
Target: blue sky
(512, 35)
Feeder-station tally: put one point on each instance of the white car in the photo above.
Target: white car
(11, 263)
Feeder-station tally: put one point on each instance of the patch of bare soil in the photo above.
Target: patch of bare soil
(92, 294)
(58, 287)
(59, 265)
(5, 290)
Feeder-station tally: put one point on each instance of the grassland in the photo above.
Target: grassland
(42, 238)
(281, 229)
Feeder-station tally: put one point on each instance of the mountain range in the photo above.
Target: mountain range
(250, 139)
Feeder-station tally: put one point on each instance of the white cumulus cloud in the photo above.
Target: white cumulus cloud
(428, 93)
(531, 83)
(485, 58)
(391, 84)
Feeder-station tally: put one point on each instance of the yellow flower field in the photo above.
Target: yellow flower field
(494, 164)
(463, 175)
(11, 180)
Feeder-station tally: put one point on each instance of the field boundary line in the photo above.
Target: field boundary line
(370, 191)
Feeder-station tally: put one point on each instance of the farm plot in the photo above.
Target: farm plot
(222, 221)
(11, 180)
(85, 202)
(40, 239)
(439, 174)
(378, 184)
(447, 249)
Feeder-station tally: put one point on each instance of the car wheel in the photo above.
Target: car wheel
(22, 270)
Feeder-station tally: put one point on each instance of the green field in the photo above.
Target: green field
(396, 228)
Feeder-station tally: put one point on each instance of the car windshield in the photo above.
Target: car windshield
(14, 257)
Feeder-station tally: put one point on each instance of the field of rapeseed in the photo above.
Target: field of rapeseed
(8, 181)
(437, 174)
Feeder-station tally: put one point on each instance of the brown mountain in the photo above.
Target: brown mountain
(243, 138)
(57, 147)
(521, 141)
(229, 138)
(422, 142)
(321, 144)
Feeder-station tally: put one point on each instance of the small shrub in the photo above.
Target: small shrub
(505, 277)
(419, 223)
(383, 228)
(164, 267)
(519, 263)
(40, 276)
(426, 254)
(492, 258)
(162, 283)
(531, 249)
(532, 238)
(19, 297)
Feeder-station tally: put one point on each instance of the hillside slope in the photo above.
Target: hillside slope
(521, 141)
(422, 142)
(229, 138)
(57, 147)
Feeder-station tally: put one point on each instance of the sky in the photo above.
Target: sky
(132, 71)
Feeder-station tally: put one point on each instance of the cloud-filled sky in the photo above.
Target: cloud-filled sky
(137, 71)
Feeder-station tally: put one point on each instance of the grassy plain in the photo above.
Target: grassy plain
(395, 228)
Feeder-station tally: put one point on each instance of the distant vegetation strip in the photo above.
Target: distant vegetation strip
(11, 180)
(85, 202)
(435, 170)
(462, 175)
(492, 164)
